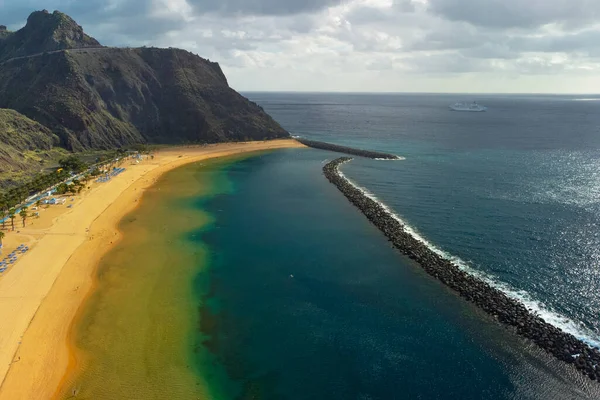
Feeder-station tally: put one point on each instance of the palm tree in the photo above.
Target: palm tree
(3, 214)
(1, 237)
(23, 214)
(11, 215)
(85, 178)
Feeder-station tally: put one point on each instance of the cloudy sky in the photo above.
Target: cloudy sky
(539, 46)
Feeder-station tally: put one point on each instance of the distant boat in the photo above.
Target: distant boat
(468, 107)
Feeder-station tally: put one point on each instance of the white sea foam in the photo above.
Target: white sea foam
(534, 306)
(398, 158)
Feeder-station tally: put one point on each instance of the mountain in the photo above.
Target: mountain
(25, 145)
(96, 97)
(45, 32)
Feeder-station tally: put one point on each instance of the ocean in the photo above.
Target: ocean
(280, 289)
(513, 194)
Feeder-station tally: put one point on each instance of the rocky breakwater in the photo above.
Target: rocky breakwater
(506, 310)
(348, 150)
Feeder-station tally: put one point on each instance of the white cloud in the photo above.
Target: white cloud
(361, 45)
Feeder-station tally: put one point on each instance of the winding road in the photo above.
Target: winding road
(78, 50)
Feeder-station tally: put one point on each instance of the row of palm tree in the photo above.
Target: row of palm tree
(16, 195)
(22, 213)
(12, 214)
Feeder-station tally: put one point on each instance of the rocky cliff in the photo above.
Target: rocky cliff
(94, 97)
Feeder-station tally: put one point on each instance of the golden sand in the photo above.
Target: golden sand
(41, 294)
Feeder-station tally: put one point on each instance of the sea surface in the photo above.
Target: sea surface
(513, 193)
(254, 278)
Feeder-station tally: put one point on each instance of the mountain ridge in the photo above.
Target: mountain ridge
(95, 97)
(45, 32)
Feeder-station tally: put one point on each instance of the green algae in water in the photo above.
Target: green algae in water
(138, 336)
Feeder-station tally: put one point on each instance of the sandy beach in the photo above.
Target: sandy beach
(41, 294)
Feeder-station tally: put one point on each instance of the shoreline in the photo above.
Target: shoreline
(36, 356)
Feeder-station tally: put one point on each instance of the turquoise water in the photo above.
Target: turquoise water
(308, 301)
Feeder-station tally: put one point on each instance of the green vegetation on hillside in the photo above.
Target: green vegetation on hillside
(72, 163)
(26, 147)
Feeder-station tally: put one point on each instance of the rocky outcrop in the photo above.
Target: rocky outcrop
(504, 309)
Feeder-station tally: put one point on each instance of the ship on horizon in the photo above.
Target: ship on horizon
(468, 107)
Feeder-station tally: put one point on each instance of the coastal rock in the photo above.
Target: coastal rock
(493, 301)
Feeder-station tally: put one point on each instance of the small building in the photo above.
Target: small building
(54, 200)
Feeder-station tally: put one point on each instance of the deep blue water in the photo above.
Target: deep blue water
(513, 192)
(311, 302)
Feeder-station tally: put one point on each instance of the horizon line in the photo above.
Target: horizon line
(408, 92)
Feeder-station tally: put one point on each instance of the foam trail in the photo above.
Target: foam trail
(565, 324)
(398, 158)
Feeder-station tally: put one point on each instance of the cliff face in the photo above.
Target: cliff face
(100, 98)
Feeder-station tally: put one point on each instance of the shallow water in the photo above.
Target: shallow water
(137, 337)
